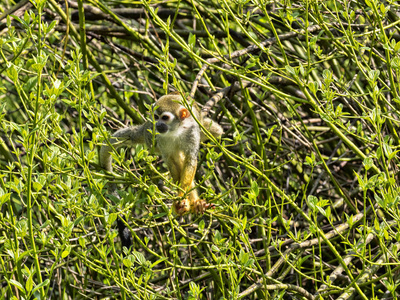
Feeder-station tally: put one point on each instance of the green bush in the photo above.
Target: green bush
(304, 179)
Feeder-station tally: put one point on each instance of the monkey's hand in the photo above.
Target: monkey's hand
(200, 206)
(181, 207)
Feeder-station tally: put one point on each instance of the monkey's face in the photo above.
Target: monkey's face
(164, 121)
(167, 121)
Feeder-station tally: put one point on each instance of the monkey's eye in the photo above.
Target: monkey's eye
(156, 117)
(165, 118)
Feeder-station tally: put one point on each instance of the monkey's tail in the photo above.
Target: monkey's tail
(124, 233)
(105, 161)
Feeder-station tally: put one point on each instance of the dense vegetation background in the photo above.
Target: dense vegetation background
(304, 179)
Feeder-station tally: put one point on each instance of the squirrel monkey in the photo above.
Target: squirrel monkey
(177, 139)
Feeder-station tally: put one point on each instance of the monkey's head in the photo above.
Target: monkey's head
(170, 114)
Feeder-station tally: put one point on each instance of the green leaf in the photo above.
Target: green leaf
(327, 74)
(377, 225)
(51, 26)
(37, 186)
(127, 262)
(368, 163)
(157, 262)
(250, 262)
(139, 257)
(387, 150)
(397, 46)
(382, 203)
(313, 87)
(312, 202)
(112, 218)
(29, 283)
(302, 71)
(309, 161)
(360, 181)
(382, 7)
(214, 248)
(17, 284)
(201, 225)
(12, 73)
(373, 74)
(192, 40)
(27, 19)
(152, 190)
(19, 20)
(66, 252)
(328, 212)
(290, 70)
(254, 187)
(78, 220)
(4, 197)
(82, 242)
(40, 285)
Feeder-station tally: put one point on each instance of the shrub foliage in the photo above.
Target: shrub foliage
(304, 179)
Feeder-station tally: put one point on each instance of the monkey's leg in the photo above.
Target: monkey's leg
(175, 168)
(187, 175)
(193, 204)
(197, 205)
(182, 171)
(213, 127)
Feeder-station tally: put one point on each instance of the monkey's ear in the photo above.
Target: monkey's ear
(183, 114)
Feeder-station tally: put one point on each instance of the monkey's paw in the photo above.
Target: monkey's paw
(200, 206)
(197, 207)
(181, 207)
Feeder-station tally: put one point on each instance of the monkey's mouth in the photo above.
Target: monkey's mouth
(161, 127)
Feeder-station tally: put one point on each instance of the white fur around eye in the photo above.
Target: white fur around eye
(166, 117)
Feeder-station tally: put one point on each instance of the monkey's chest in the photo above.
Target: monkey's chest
(172, 153)
(169, 145)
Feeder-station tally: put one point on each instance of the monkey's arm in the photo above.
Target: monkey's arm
(123, 137)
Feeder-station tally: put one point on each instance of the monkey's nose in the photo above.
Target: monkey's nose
(161, 127)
